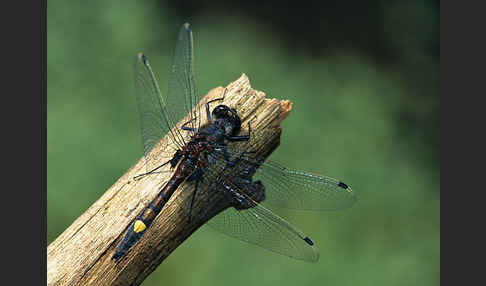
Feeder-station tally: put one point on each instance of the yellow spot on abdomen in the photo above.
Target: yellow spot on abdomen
(139, 226)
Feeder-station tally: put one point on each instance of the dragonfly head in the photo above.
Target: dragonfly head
(228, 118)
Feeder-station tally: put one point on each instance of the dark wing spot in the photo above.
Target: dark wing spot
(308, 240)
(144, 59)
(343, 185)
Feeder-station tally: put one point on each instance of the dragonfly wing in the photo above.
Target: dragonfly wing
(260, 226)
(255, 223)
(301, 190)
(155, 119)
(295, 189)
(182, 85)
(158, 114)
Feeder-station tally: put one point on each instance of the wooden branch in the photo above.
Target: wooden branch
(81, 255)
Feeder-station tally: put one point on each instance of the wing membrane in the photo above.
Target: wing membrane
(300, 190)
(155, 118)
(293, 189)
(260, 226)
(255, 224)
(158, 114)
(182, 85)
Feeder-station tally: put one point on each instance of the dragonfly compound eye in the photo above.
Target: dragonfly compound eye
(222, 111)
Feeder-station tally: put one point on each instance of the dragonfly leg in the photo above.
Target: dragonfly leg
(138, 177)
(208, 113)
(198, 177)
(177, 157)
(241, 137)
(184, 127)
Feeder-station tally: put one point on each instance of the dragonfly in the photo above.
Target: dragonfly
(210, 155)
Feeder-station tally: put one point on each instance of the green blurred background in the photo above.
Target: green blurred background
(364, 80)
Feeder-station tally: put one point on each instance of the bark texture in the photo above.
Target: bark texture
(81, 255)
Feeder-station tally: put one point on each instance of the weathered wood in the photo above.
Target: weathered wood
(81, 255)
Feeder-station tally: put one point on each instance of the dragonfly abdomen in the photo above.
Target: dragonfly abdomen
(139, 226)
(148, 214)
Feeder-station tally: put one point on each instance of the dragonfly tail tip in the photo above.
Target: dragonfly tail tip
(308, 240)
(343, 185)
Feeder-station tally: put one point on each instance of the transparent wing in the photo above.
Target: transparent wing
(158, 114)
(254, 224)
(260, 226)
(300, 190)
(182, 95)
(155, 119)
(293, 189)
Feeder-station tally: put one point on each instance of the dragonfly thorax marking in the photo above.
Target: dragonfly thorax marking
(224, 124)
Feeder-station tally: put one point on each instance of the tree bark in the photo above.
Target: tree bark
(81, 255)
